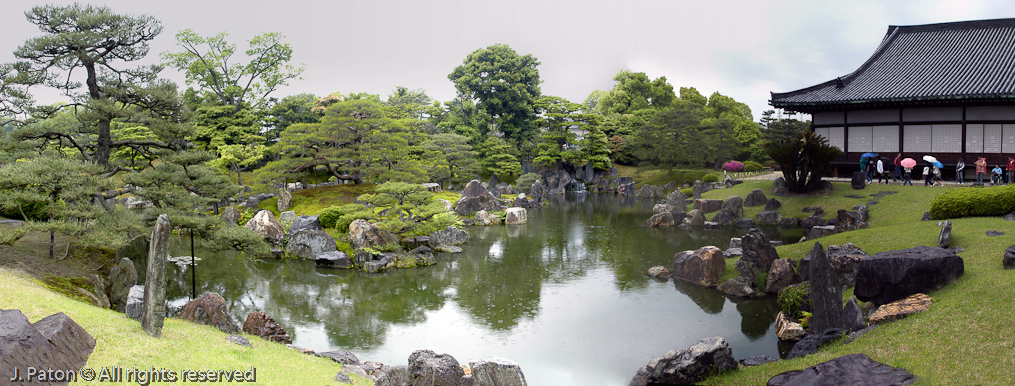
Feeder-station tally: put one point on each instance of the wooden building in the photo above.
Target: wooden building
(946, 90)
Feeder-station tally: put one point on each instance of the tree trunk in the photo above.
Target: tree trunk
(52, 243)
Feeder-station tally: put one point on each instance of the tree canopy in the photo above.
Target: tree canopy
(504, 84)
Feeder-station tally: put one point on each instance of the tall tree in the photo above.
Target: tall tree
(96, 41)
(207, 62)
(562, 122)
(504, 84)
(635, 91)
(453, 159)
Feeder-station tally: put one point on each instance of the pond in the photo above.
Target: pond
(566, 296)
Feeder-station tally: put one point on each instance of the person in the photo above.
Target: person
(995, 175)
(1011, 170)
(926, 175)
(936, 177)
(865, 168)
(898, 167)
(906, 177)
(882, 174)
(981, 169)
(960, 169)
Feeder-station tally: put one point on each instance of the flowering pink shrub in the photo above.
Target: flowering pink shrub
(733, 166)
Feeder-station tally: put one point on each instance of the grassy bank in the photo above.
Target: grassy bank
(119, 341)
(964, 339)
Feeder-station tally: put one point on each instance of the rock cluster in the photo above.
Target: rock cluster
(209, 309)
(687, 367)
(263, 325)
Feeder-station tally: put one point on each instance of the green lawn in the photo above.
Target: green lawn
(965, 338)
(119, 341)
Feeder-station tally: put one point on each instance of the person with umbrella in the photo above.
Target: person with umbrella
(909, 164)
(865, 167)
(960, 170)
(981, 170)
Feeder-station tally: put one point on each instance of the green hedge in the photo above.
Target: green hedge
(710, 177)
(751, 166)
(973, 202)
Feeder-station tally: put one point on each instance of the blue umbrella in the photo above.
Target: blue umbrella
(868, 155)
(938, 164)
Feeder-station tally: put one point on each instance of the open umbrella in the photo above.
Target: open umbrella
(908, 163)
(938, 164)
(929, 158)
(868, 155)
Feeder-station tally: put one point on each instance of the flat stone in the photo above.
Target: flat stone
(812, 342)
(659, 272)
(995, 233)
(854, 369)
(901, 308)
(333, 259)
(757, 360)
(340, 356)
(236, 339)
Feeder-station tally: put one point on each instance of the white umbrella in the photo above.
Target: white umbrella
(930, 159)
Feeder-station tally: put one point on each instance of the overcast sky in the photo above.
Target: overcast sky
(743, 49)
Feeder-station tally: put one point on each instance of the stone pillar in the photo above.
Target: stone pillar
(153, 312)
(826, 292)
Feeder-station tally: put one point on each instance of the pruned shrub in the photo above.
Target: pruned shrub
(751, 166)
(973, 202)
(710, 177)
(733, 166)
(524, 183)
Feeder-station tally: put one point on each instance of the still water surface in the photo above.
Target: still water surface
(566, 296)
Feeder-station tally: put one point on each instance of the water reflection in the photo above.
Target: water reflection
(567, 291)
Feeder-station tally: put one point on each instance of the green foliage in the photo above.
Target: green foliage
(524, 183)
(687, 191)
(803, 160)
(760, 280)
(208, 63)
(70, 287)
(339, 217)
(238, 158)
(497, 158)
(751, 166)
(245, 216)
(236, 238)
(710, 177)
(217, 126)
(505, 86)
(452, 159)
(288, 111)
(973, 202)
(792, 298)
(634, 91)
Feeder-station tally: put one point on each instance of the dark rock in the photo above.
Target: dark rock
(664, 219)
(708, 206)
(340, 356)
(779, 183)
(1008, 260)
(745, 223)
(135, 302)
(722, 219)
(374, 266)
(757, 360)
(254, 201)
(733, 207)
(759, 254)
(926, 216)
(687, 367)
(994, 233)
(310, 243)
(812, 221)
(696, 190)
(230, 215)
(261, 324)
(781, 192)
(790, 222)
(853, 317)
(1009, 217)
(845, 259)
(772, 204)
(859, 181)
(496, 372)
(703, 267)
(122, 276)
(695, 217)
(893, 275)
(755, 198)
(812, 342)
(821, 231)
(302, 222)
(153, 311)
(626, 189)
(209, 309)
(826, 292)
(676, 202)
(54, 343)
(423, 255)
(781, 276)
(476, 198)
(854, 369)
(342, 378)
(741, 287)
(854, 196)
(768, 217)
(333, 259)
(426, 368)
(239, 340)
(449, 236)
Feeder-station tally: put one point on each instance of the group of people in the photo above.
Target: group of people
(879, 167)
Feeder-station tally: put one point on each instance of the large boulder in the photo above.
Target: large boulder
(733, 207)
(122, 276)
(537, 192)
(263, 325)
(695, 217)
(364, 234)
(265, 224)
(515, 216)
(781, 276)
(676, 201)
(333, 259)
(772, 204)
(688, 367)
(285, 200)
(703, 267)
(153, 311)
(427, 368)
(758, 254)
(708, 206)
(135, 302)
(812, 342)
(302, 222)
(853, 369)
(901, 308)
(893, 275)
(768, 217)
(845, 260)
(54, 343)
(853, 316)
(858, 181)
(723, 219)
(755, 198)
(496, 372)
(486, 218)
(826, 292)
(287, 217)
(1008, 259)
(449, 236)
(812, 221)
(209, 309)
(310, 243)
(476, 198)
(230, 215)
(663, 219)
(821, 231)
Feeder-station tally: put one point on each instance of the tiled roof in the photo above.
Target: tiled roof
(931, 62)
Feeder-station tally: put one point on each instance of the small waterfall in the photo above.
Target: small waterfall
(576, 187)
